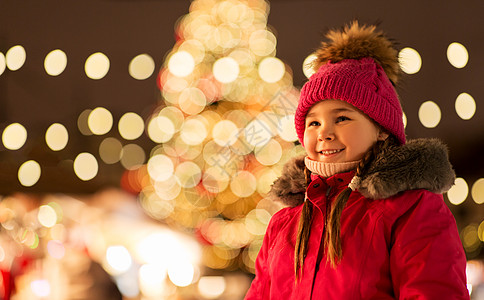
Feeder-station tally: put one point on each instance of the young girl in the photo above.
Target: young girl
(366, 218)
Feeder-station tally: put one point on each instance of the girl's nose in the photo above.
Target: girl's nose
(326, 134)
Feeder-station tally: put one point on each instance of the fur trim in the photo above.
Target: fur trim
(354, 42)
(419, 164)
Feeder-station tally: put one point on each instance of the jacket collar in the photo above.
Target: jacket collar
(419, 164)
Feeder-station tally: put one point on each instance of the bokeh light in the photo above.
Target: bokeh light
(225, 133)
(132, 156)
(85, 166)
(14, 136)
(271, 69)
(269, 154)
(409, 60)
(181, 64)
(188, 174)
(118, 258)
(307, 66)
(110, 150)
(41, 288)
(97, 66)
(47, 216)
(457, 55)
(211, 287)
(55, 62)
(429, 114)
(458, 192)
(160, 129)
(226, 69)
(465, 106)
(193, 132)
(82, 122)
(131, 126)
(160, 167)
(181, 274)
(243, 184)
(3, 63)
(192, 101)
(29, 173)
(100, 121)
(478, 191)
(56, 137)
(15, 58)
(141, 67)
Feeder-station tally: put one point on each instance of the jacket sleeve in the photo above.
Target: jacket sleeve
(261, 284)
(427, 260)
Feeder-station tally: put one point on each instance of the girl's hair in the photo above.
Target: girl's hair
(332, 238)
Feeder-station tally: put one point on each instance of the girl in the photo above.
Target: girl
(366, 218)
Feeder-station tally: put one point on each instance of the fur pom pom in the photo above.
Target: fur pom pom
(356, 41)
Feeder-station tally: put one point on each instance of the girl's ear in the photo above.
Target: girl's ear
(383, 135)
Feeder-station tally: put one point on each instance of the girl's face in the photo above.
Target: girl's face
(338, 132)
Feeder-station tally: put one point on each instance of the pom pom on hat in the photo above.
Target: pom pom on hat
(357, 65)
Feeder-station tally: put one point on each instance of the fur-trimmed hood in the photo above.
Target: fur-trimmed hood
(419, 164)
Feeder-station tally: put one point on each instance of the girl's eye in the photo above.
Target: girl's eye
(341, 119)
(313, 123)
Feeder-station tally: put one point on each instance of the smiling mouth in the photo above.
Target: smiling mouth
(329, 152)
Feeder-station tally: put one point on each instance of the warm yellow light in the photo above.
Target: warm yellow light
(85, 166)
(161, 129)
(14, 136)
(226, 69)
(225, 133)
(271, 69)
(457, 55)
(3, 63)
(141, 67)
(151, 280)
(243, 184)
(215, 179)
(160, 167)
(286, 129)
(97, 66)
(193, 132)
(192, 101)
(308, 65)
(100, 121)
(262, 42)
(119, 259)
(82, 122)
(465, 106)
(15, 58)
(131, 126)
(132, 157)
(404, 117)
(429, 114)
(56, 137)
(478, 191)
(55, 62)
(47, 216)
(410, 60)
(167, 190)
(211, 287)
(181, 274)
(110, 150)
(458, 192)
(269, 154)
(257, 133)
(29, 173)
(188, 174)
(181, 64)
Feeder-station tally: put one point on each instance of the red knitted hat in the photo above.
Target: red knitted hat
(350, 69)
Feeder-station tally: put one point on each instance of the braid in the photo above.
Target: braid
(332, 239)
(301, 247)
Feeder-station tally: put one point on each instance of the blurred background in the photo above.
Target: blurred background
(140, 138)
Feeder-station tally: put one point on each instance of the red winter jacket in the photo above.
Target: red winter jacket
(405, 246)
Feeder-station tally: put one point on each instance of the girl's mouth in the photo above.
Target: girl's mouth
(329, 152)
